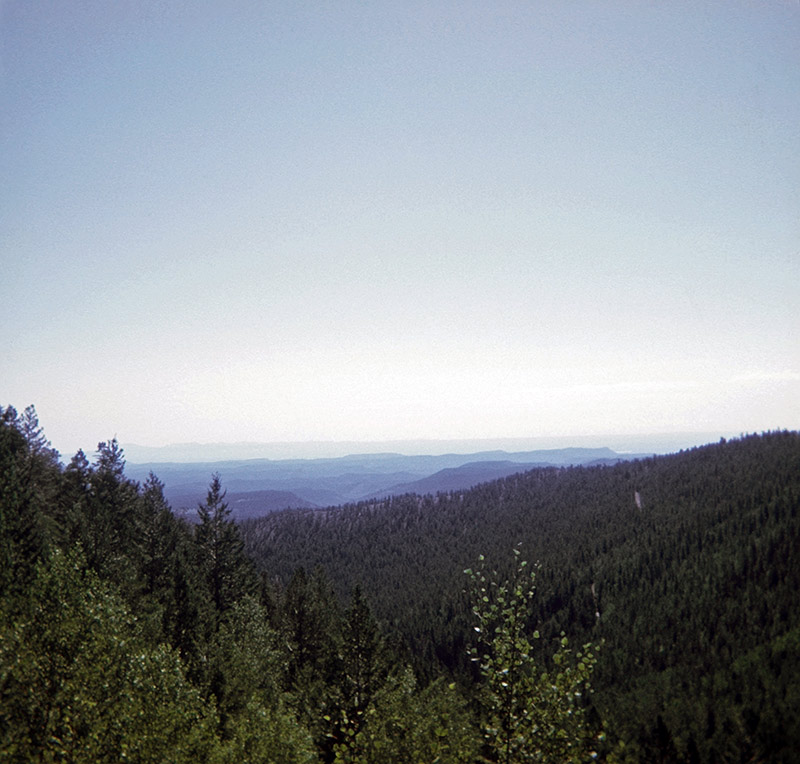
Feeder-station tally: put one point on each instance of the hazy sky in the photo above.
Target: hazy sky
(288, 221)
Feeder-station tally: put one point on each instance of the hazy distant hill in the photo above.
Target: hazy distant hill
(204, 453)
(303, 483)
(243, 504)
(256, 503)
(458, 478)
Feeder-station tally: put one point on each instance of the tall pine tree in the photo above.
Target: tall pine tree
(228, 572)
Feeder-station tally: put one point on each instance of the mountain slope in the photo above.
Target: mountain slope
(692, 562)
(458, 478)
(329, 482)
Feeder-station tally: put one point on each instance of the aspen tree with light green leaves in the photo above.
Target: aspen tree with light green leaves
(531, 713)
(78, 682)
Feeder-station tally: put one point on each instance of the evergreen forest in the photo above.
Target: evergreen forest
(641, 612)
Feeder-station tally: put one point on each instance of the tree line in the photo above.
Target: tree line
(128, 634)
(685, 568)
(648, 613)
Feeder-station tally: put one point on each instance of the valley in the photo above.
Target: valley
(259, 486)
(642, 608)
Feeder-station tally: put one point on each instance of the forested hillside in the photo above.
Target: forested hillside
(686, 567)
(325, 482)
(127, 634)
(405, 630)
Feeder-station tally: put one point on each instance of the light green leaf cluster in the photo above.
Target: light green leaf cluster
(245, 661)
(77, 684)
(530, 714)
(263, 735)
(406, 726)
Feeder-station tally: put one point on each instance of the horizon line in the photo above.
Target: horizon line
(656, 442)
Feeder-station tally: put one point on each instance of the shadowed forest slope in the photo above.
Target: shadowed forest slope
(404, 629)
(685, 566)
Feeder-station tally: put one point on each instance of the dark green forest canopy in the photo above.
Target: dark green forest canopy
(345, 634)
(685, 566)
(128, 634)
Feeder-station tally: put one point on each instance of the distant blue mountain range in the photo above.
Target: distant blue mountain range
(259, 486)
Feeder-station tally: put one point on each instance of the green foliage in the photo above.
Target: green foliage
(407, 726)
(247, 674)
(531, 714)
(114, 650)
(78, 684)
(189, 621)
(246, 663)
(677, 591)
(29, 476)
(365, 661)
(112, 540)
(311, 634)
(159, 540)
(12, 446)
(144, 641)
(262, 735)
(310, 626)
(362, 668)
(228, 571)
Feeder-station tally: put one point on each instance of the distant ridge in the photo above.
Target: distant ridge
(458, 478)
(260, 486)
(656, 443)
(685, 566)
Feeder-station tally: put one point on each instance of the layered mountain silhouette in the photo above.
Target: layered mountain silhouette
(259, 486)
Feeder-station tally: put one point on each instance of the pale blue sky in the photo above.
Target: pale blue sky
(232, 221)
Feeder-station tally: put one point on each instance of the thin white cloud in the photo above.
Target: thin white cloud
(759, 377)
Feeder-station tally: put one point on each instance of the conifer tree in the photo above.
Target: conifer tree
(365, 662)
(228, 572)
(12, 446)
(113, 543)
(189, 621)
(311, 634)
(72, 514)
(41, 469)
(29, 479)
